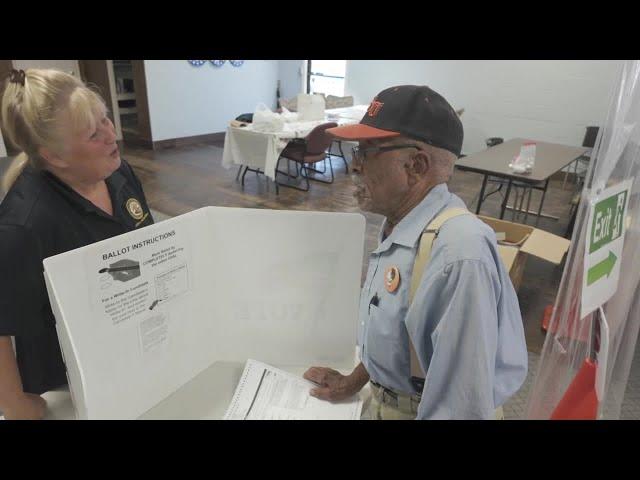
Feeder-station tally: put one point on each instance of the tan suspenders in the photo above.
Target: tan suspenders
(429, 234)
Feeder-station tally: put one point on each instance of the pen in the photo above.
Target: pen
(375, 301)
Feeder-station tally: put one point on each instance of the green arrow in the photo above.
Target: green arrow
(601, 269)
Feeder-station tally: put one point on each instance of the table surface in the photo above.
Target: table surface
(550, 158)
(206, 397)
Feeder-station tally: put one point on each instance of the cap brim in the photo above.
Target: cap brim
(358, 131)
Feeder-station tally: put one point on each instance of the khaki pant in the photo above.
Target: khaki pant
(376, 407)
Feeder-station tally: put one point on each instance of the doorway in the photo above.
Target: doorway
(98, 74)
(122, 84)
(126, 97)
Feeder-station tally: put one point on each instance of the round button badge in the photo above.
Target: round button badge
(391, 279)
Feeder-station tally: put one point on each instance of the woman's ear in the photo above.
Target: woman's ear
(51, 158)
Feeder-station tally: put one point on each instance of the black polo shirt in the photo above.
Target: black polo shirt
(41, 217)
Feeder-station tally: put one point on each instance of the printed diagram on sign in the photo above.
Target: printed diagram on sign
(170, 284)
(135, 280)
(122, 270)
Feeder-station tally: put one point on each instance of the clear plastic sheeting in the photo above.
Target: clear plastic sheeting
(615, 158)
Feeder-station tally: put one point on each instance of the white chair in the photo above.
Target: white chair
(292, 103)
(333, 101)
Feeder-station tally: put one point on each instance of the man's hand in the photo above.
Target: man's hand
(27, 407)
(333, 386)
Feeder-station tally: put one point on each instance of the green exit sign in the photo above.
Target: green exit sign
(607, 220)
(608, 215)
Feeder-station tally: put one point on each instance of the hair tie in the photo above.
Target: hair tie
(17, 76)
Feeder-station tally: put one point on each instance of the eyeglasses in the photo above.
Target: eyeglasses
(359, 154)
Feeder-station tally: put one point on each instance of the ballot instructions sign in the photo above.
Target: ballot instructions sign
(604, 243)
(140, 315)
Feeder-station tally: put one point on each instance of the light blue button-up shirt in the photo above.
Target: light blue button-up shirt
(465, 320)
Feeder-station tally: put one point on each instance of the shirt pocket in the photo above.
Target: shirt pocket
(383, 338)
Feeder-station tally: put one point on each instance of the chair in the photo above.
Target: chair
(292, 103)
(333, 101)
(245, 117)
(310, 150)
(589, 141)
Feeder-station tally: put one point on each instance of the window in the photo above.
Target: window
(326, 76)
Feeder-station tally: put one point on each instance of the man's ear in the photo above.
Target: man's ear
(419, 166)
(52, 158)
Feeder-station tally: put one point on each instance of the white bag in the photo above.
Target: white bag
(524, 162)
(310, 107)
(288, 116)
(264, 120)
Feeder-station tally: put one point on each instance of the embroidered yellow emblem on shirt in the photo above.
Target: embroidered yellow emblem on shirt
(135, 209)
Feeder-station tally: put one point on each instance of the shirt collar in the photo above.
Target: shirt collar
(115, 182)
(410, 228)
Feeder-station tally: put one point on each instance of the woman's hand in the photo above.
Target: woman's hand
(26, 407)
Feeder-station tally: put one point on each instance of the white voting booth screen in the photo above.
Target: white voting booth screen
(141, 314)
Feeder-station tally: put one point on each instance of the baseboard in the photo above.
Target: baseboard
(137, 142)
(181, 142)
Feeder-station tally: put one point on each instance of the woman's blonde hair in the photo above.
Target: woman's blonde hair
(31, 106)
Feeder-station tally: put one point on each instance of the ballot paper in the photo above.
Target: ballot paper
(267, 393)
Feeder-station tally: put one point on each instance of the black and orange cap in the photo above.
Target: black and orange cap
(414, 111)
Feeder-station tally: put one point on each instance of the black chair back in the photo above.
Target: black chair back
(493, 141)
(245, 117)
(590, 137)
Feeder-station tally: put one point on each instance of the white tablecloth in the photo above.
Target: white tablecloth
(347, 113)
(261, 150)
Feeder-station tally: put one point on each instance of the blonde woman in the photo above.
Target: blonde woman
(68, 188)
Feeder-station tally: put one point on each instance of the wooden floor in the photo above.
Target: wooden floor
(179, 180)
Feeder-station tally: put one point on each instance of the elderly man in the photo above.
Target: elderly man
(453, 315)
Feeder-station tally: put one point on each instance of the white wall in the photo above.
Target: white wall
(185, 101)
(291, 76)
(543, 100)
(64, 65)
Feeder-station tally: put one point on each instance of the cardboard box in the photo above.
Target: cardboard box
(516, 241)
